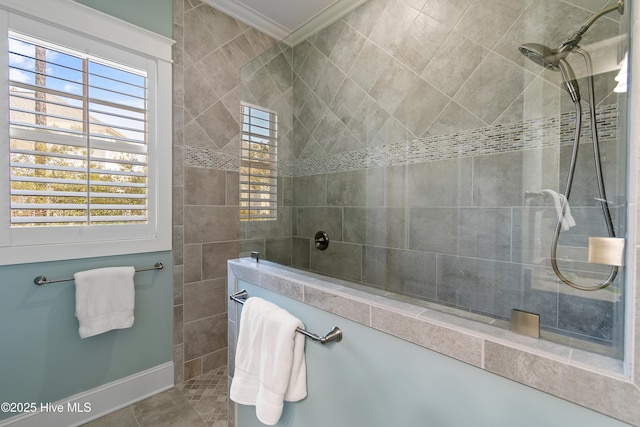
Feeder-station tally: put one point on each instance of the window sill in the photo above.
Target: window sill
(56, 252)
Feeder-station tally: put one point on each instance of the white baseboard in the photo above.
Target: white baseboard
(97, 402)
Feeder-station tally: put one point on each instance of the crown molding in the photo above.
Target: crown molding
(322, 20)
(260, 22)
(250, 17)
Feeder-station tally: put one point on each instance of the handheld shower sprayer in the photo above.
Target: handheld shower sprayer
(555, 60)
(569, 79)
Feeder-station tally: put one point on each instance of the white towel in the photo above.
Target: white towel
(561, 204)
(270, 365)
(105, 299)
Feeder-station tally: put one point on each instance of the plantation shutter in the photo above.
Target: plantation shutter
(258, 168)
(78, 138)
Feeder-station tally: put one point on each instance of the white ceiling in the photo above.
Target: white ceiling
(278, 18)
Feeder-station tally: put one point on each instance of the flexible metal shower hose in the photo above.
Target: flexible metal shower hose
(569, 183)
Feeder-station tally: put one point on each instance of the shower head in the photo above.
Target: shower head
(541, 55)
(553, 60)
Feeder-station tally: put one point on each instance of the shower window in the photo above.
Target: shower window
(258, 169)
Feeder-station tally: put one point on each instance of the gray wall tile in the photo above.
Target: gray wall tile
(211, 224)
(205, 336)
(443, 183)
(421, 41)
(485, 233)
(192, 263)
(493, 86)
(524, 171)
(448, 12)
(204, 299)
(327, 219)
(400, 271)
(446, 71)
(376, 226)
(310, 190)
(457, 281)
(300, 252)
(496, 16)
(396, 15)
(347, 188)
(434, 230)
(215, 256)
(204, 187)
(279, 250)
(393, 85)
(368, 65)
(416, 114)
(343, 260)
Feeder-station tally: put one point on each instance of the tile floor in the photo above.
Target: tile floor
(199, 402)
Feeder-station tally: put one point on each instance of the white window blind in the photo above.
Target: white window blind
(78, 138)
(258, 168)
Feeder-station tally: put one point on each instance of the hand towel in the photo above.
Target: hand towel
(269, 365)
(562, 208)
(105, 299)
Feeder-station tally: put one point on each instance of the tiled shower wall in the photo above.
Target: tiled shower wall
(422, 140)
(267, 82)
(367, 99)
(210, 49)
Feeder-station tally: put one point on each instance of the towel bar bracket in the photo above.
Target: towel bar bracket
(334, 335)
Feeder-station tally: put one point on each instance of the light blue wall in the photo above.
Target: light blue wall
(42, 357)
(373, 379)
(154, 15)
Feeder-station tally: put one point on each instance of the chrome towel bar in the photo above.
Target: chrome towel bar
(334, 334)
(41, 280)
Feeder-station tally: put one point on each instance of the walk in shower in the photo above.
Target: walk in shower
(435, 157)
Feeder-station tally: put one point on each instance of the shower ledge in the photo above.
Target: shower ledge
(568, 373)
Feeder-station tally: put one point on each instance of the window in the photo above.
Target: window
(78, 138)
(87, 116)
(258, 167)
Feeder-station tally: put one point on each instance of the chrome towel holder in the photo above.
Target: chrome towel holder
(334, 335)
(41, 280)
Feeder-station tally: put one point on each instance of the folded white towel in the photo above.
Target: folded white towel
(562, 208)
(270, 365)
(105, 299)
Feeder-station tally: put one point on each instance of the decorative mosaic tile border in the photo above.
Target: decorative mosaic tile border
(500, 138)
(211, 158)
